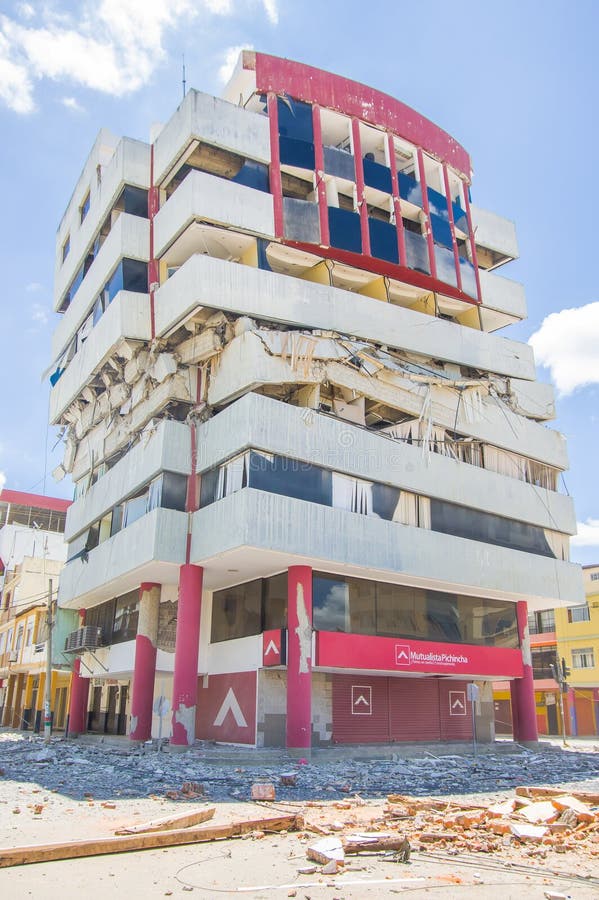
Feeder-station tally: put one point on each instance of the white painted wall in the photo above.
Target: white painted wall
(121, 161)
(212, 199)
(324, 537)
(18, 541)
(502, 294)
(215, 283)
(263, 423)
(128, 316)
(239, 655)
(494, 232)
(165, 448)
(213, 121)
(129, 237)
(125, 560)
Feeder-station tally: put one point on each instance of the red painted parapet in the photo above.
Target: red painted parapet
(524, 711)
(144, 670)
(404, 656)
(283, 76)
(299, 657)
(187, 644)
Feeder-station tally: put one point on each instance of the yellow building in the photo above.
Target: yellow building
(23, 659)
(577, 638)
(32, 553)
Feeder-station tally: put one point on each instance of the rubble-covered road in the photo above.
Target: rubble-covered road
(78, 768)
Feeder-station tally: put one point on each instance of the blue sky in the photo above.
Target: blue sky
(514, 82)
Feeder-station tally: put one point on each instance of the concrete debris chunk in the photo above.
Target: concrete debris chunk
(583, 812)
(543, 811)
(325, 850)
(502, 809)
(528, 832)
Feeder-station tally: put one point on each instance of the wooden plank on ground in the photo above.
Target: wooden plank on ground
(168, 823)
(21, 856)
(584, 796)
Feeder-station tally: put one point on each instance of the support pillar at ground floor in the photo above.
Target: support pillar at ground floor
(79, 694)
(299, 660)
(187, 644)
(145, 663)
(524, 710)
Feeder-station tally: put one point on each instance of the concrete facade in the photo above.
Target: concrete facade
(312, 481)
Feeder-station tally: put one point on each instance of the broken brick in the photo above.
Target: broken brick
(263, 791)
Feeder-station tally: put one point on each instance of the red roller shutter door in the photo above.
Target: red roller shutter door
(414, 709)
(585, 713)
(455, 711)
(360, 709)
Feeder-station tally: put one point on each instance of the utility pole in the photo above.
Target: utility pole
(560, 674)
(48, 686)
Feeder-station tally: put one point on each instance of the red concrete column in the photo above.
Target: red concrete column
(144, 669)
(299, 658)
(187, 648)
(524, 710)
(79, 693)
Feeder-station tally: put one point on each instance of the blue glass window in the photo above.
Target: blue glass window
(383, 240)
(344, 230)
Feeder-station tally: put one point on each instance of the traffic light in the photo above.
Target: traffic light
(555, 673)
(565, 669)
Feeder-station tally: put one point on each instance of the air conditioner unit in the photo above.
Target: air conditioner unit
(13, 656)
(39, 648)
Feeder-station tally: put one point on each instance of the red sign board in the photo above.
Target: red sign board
(273, 648)
(226, 709)
(383, 654)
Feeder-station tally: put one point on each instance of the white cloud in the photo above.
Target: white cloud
(72, 104)
(26, 10)
(230, 57)
(588, 534)
(112, 46)
(33, 287)
(567, 343)
(16, 87)
(272, 11)
(39, 314)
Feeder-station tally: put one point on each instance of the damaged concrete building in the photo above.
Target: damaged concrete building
(315, 491)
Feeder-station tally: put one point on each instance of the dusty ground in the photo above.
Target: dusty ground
(268, 866)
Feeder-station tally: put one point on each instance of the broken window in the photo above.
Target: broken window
(126, 614)
(66, 247)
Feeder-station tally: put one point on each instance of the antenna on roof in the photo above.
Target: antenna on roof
(184, 81)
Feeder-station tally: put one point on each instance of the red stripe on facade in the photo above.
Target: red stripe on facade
(427, 212)
(472, 243)
(284, 76)
(362, 205)
(381, 267)
(321, 188)
(401, 241)
(456, 255)
(276, 186)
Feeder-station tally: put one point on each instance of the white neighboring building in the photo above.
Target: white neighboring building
(294, 429)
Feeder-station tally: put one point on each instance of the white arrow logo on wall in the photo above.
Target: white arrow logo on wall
(231, 704)
(361, 699)
(272, 648)
(457, 703)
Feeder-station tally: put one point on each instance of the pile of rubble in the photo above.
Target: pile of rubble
(544, 819)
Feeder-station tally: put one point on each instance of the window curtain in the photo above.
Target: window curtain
(406, 511)
(352, 494)
(155, 493)
(232, 476)
(559, 544)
